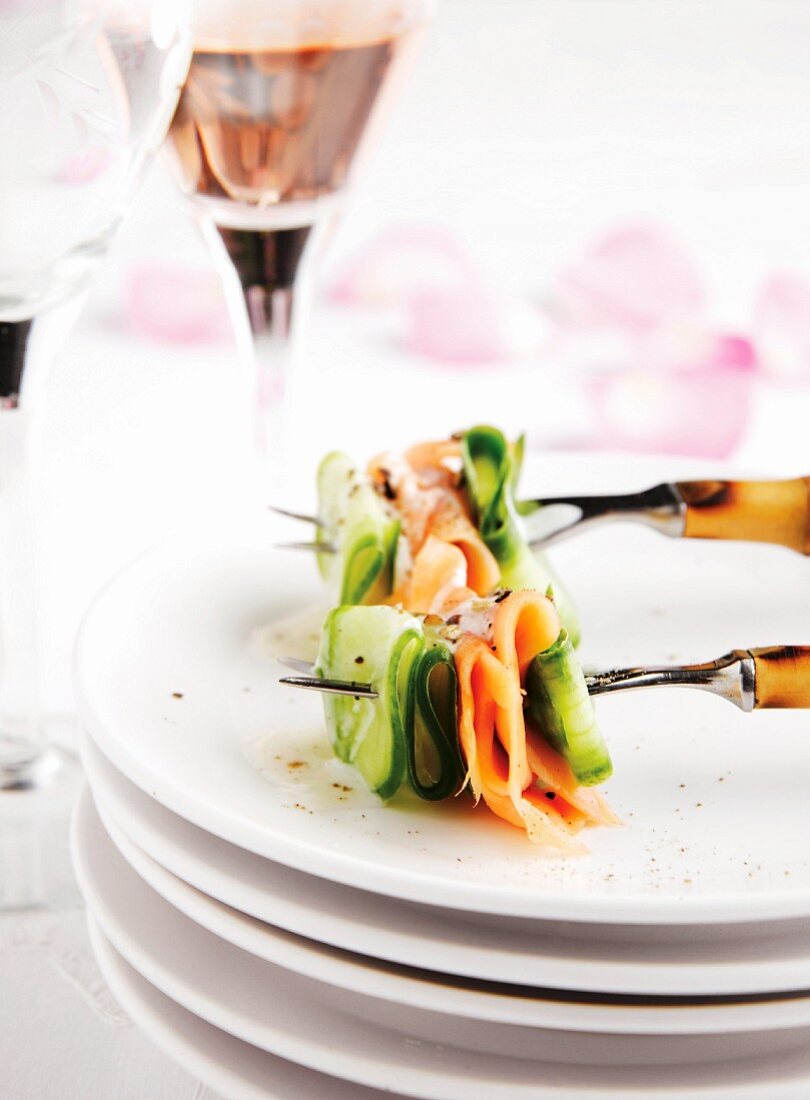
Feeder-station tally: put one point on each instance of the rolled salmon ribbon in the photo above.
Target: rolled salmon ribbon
(492, 738)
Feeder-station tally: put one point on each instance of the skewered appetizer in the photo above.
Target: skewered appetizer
(414, 525)
(487, 693)
(457, 639)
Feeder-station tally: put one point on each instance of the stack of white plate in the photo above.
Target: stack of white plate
(282, 934)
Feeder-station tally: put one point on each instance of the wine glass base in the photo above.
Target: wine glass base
(36, 798)
(44, 768)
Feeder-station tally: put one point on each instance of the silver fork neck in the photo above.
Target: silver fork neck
(554, 518)
(732, 677)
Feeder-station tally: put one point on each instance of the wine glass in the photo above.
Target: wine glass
(87, 89)
(280, 101)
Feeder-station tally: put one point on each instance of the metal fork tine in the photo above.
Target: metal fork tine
(314, 520)
(314, 547)
(331, 687)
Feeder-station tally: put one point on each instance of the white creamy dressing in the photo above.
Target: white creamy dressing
(474, 616)
(418, 494)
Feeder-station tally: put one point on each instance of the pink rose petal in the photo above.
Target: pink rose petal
(781, 327)
(698, 412)
(473, 325)
(456, 326)
(734, 352)
(690, 347)
(175, 303)
(635, 278)
(403, 261)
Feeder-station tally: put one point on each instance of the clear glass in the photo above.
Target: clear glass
(281, 102)
(87, 89)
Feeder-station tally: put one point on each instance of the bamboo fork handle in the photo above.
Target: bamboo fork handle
(749, 511)
(782, 676)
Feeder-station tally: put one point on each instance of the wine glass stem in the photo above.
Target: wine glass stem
(27, 349)
(267, 264)
(13, 349)
(20, 715)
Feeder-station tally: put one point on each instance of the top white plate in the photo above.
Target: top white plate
(176, 682)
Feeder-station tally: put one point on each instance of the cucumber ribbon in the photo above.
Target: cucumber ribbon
(410, 728)
(491, 471)
(363, 530)
(435, 767)
(558, 704)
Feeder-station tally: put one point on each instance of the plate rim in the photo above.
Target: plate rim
(188, 1056)
(611, 1017)
(104, 792)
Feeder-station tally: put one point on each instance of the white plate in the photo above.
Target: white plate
(658, 960)
(221, 1061)
(495, 1002)
(427, 1054)
(715, 829)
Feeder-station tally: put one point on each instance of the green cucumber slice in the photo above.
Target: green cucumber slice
(491, 470)
(559, 707)
(333, 481)
(435, 765)
(377, 646)
(366, 534)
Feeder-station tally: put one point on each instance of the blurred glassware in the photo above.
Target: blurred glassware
(280, 102)
(87, 89)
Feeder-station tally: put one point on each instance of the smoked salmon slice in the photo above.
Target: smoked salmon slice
(517, 774)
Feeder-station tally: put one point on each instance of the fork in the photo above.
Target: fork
(753, 679)
(776, 512)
